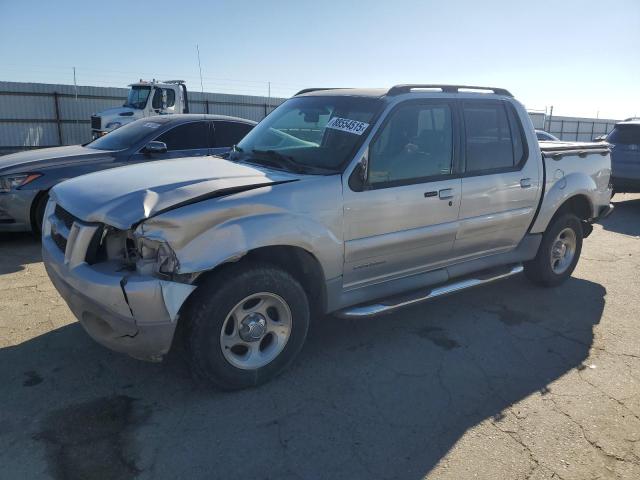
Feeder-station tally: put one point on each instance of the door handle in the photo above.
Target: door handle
(445, 194)
(525, 183)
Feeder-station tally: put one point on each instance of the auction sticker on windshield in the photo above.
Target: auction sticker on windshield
(346, 125)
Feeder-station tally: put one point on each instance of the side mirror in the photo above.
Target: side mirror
(360, 174)
(601, 138)
(155, 147)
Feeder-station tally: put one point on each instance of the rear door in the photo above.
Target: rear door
(501, 181)
(404, 220)
(226, 134)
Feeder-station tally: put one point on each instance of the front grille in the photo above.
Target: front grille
(60, 241)
(66, 217)
(96, 123)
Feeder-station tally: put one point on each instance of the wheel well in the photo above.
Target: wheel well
(34, 207)
(296, 261)
(579, 205)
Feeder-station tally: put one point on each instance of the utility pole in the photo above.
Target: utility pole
(75, 85)
(269, 94)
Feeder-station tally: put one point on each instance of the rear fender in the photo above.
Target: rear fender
(558, 190)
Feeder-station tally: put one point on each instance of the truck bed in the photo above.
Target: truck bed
(581, 169)
(550, 149)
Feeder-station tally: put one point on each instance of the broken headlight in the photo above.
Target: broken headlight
(155, 256)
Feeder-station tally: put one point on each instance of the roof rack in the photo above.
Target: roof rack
(174, 81)
(398, 89)
(308, 90)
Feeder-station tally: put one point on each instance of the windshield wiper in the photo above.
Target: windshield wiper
(280, 160)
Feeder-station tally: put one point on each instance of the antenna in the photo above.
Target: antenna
(200, 68)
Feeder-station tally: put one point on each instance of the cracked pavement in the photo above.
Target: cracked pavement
(506, 381)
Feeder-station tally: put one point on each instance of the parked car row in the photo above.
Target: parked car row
(353, 202)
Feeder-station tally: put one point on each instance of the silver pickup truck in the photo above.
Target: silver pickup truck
(346, 201)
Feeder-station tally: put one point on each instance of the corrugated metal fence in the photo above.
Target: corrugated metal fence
(37, 115)
(578, 129)
(573, 129)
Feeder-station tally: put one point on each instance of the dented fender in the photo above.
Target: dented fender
(207, 234)
(558, 189)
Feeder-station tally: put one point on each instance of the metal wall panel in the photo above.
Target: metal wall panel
(28, 135)
(29, 118)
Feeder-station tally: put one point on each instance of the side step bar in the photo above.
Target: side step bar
(393, 303)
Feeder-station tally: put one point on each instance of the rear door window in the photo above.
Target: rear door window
(228, 134)
(188, 136)
(489, 144)
(625, 135)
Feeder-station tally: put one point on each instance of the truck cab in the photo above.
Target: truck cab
(145, 99)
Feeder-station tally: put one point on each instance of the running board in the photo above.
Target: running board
(393, 303)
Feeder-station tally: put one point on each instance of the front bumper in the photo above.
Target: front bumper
(124, 311)
(15, 210)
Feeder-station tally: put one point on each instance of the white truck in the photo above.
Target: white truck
(145, 99)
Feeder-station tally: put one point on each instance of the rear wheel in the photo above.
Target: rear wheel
(246, 325)
(558, 253)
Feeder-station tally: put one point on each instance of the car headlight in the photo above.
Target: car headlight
(13, 182)
(155, 256)
(113, 125)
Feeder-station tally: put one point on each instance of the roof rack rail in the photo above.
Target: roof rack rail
(308, 90)
(398, 89)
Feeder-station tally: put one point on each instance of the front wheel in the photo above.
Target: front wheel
(38, 214)
(246, 325)
(558, 253)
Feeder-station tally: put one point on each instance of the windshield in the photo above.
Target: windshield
(310, 134)
(126, 136)
(138, 97)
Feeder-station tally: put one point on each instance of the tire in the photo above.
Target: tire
(38, 214)
(547, 270)
(222, 347)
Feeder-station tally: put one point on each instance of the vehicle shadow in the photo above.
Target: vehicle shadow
(18, 250)
(625, 218)
(379, 398)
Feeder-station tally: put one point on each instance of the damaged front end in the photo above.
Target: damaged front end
(122, 286)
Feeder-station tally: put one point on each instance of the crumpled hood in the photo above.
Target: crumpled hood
(32, 160)
(122, 197)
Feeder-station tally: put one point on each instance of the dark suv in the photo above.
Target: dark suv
(27, 177)
(625, 156)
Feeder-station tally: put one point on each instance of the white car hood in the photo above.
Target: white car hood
(122, 197)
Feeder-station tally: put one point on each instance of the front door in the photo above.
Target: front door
(501, 183)
(404, 221)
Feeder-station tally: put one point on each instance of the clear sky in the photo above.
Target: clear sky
(581, 56)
